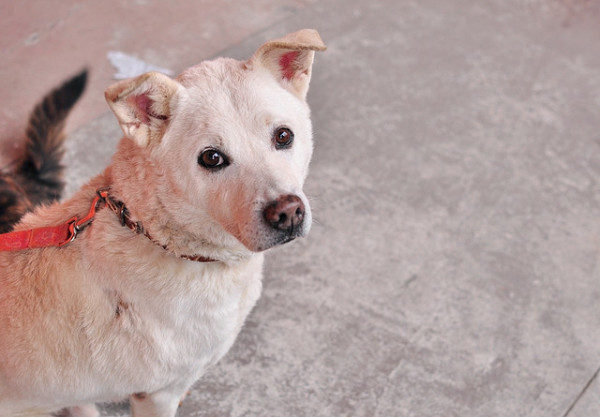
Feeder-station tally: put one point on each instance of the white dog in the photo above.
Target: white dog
(152, 281)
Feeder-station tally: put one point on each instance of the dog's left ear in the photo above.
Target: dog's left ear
(290, 59)
(143, 106)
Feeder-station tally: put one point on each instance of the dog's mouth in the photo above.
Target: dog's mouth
(270, 237)
(286, 239)
(273, 241)
(276, 223)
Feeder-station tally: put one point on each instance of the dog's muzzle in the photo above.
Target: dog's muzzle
(286, 216)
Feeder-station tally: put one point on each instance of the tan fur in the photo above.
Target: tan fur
(115, 315)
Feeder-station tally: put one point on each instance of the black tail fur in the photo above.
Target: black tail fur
(38, 178)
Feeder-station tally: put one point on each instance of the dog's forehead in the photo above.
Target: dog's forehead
(218, 70)
(225, 89)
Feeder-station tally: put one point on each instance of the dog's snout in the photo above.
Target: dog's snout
(286, 213)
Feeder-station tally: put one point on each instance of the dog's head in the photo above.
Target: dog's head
(229, 142)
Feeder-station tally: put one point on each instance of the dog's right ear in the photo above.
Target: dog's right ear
(143, 105)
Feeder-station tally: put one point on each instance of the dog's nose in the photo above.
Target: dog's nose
(286, 213)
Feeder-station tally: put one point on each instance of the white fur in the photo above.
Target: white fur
(114, 315)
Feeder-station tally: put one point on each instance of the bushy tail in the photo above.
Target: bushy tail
(40, 173)
(38, 176)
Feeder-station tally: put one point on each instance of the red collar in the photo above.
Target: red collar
(65, 233)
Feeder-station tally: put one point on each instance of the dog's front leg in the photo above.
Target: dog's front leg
(156, 404)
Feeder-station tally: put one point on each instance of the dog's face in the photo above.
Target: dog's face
(250, 156)
(232, 141)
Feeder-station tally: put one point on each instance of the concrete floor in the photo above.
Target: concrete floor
(453, 267)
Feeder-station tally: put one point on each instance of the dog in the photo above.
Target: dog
(158, 260)
(37, 179)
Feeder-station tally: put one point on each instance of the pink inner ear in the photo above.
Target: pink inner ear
(142, 105)
(287, 62)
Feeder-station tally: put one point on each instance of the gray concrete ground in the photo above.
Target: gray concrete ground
(453, 267)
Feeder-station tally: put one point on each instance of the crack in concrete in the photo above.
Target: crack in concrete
(581, 394)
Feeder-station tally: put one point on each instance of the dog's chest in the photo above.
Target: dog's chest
(184, 326)
(204, 323)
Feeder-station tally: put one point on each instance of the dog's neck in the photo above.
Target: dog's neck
(124, 217)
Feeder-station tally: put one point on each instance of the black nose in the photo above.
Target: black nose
(286, 213)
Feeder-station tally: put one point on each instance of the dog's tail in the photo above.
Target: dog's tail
(37, 178)
(40, 172)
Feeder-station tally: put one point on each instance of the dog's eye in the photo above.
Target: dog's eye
(283, 138)
(212, 159)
